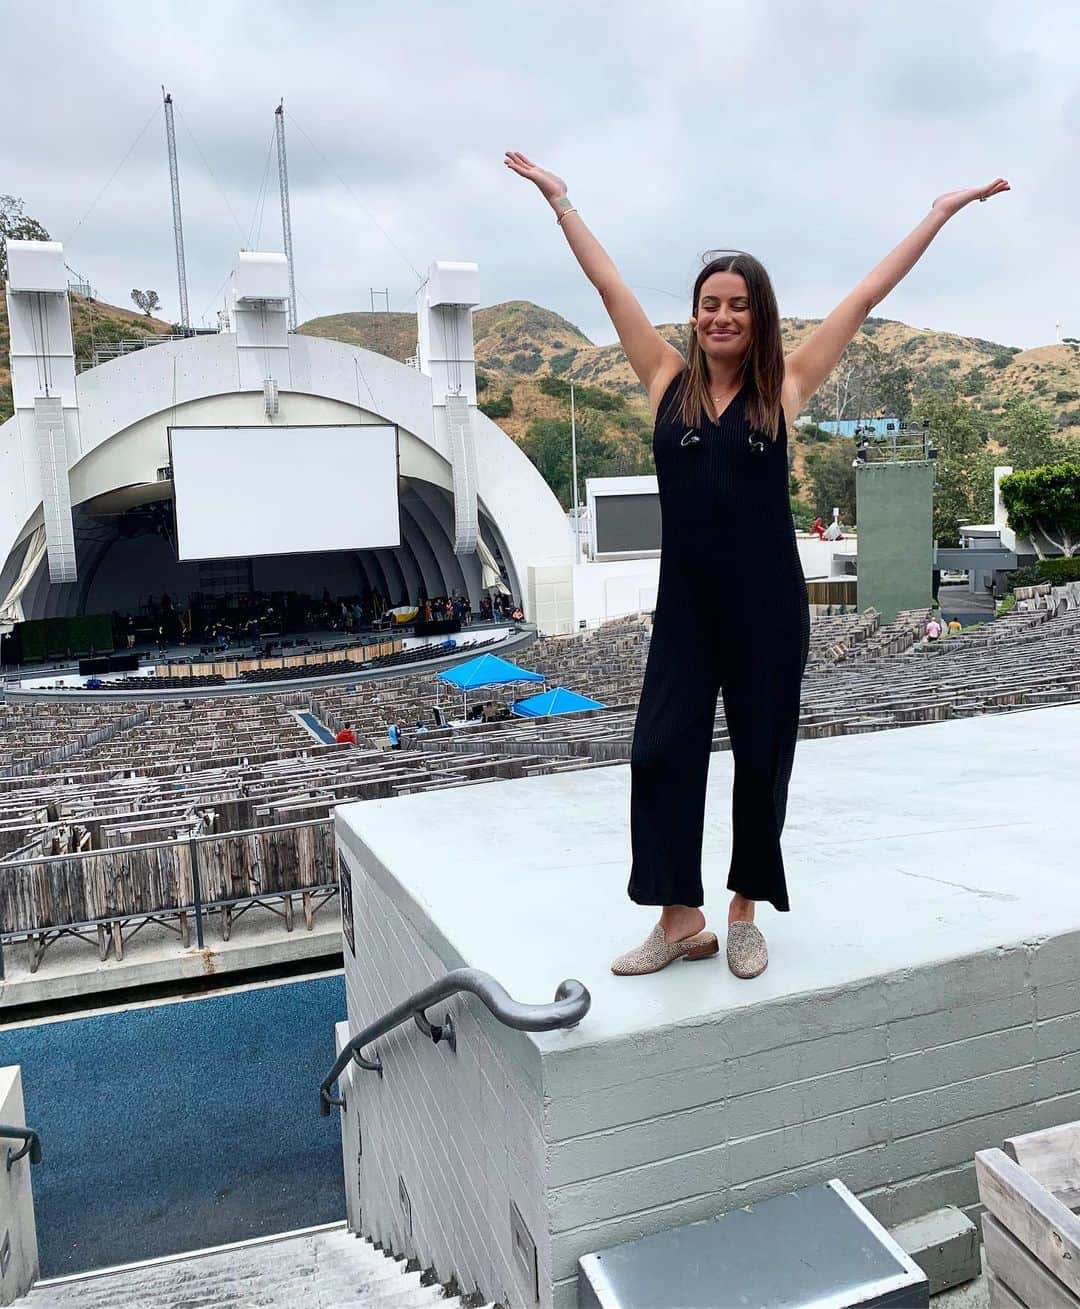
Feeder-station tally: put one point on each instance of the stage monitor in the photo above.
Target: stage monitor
(624, 517)
(242, 492)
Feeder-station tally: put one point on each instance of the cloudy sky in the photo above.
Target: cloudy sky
(813, 133)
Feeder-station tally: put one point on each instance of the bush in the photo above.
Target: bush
(803, 515)
(498, 407)
(526, 361)
(585, 397)
(481, 382)
(560, 363)
(1066, 397)
(1021, 577)
(1058, 571)
(1001, 360)
(1055, 571)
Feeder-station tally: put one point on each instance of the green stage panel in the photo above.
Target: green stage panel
(895, 515)
(65, 638)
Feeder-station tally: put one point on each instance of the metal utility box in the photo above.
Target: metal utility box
(817, 1247)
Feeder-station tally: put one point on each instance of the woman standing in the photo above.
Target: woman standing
(720, 445)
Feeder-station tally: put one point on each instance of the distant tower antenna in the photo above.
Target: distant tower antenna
(177, 220)
(286, 221)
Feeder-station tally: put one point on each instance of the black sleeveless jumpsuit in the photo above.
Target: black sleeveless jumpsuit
(731, 617)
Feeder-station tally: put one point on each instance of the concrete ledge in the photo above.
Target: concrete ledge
(945, 1245)
(922, 1001)
(72, 968)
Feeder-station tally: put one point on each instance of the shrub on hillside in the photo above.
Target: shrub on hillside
(560, 363)
(586, 397)
(526, 361)
(500, 406)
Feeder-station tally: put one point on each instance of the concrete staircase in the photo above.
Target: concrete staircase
(328, 1268)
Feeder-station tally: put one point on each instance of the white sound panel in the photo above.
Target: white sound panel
(250, 491)
(463, 463)
(55, 490)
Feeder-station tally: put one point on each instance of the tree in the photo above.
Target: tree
(964, 476)
(894, 391)
(547, 443)
(16, 225)
(863, 384)
(147, 301)
(1027, 432)
(1045, 502)
(832, 479)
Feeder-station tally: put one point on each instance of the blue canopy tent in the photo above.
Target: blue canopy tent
(559, 700)
(485, 670)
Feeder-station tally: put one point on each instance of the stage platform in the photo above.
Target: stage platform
(923, 1000)
(64, 682)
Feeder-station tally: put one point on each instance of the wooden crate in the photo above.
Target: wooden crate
(1031, 1230)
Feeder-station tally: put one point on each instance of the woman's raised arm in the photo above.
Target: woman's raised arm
(653, 360)
(808, 366)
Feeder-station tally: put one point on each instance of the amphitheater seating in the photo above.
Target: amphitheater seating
(76, 778)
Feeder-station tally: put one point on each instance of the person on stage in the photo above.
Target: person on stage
(722, 415)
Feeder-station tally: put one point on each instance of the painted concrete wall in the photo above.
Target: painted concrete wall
(17, 1231)
(896, 547)
(462, 1130)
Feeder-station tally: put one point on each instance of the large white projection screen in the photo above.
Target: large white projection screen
(246, 491)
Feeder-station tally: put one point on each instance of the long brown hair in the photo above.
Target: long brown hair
(763, 364)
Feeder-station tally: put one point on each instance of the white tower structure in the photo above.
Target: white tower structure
(286, 216)
(43, 390)
(177, 218)
(444, 308)
(258, 315)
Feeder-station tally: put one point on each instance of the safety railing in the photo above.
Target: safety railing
(31, 1144)
(163, 881)
(571, 1004)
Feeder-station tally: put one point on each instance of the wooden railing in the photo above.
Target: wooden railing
(173, 882)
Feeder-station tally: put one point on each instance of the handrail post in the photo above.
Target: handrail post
(196, 887)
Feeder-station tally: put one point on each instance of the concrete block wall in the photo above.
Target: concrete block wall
(890, 1086)
(462, 1130)
(890, 1083)
(17, 1230)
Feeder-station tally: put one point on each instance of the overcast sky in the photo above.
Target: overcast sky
(814, 134)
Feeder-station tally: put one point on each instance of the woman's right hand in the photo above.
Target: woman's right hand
(551, 187)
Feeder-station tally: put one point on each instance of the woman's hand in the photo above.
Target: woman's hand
(953, 201)
(551, 187)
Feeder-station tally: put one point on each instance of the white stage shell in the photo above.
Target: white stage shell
(117, 441)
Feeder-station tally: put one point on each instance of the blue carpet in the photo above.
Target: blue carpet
(178, 1126)
(320, 729)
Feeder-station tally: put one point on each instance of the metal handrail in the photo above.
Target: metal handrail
(571, 1004)
(31, 1146)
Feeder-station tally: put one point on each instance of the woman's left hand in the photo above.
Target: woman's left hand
(953, 201)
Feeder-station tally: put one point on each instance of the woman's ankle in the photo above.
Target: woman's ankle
(680, 921)
(741, 910)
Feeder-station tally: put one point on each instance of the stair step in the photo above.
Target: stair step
(329, 1269)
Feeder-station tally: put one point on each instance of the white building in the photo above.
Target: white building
(85, 484)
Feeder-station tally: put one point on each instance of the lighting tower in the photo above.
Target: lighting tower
(177, 220)
(286, 221)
